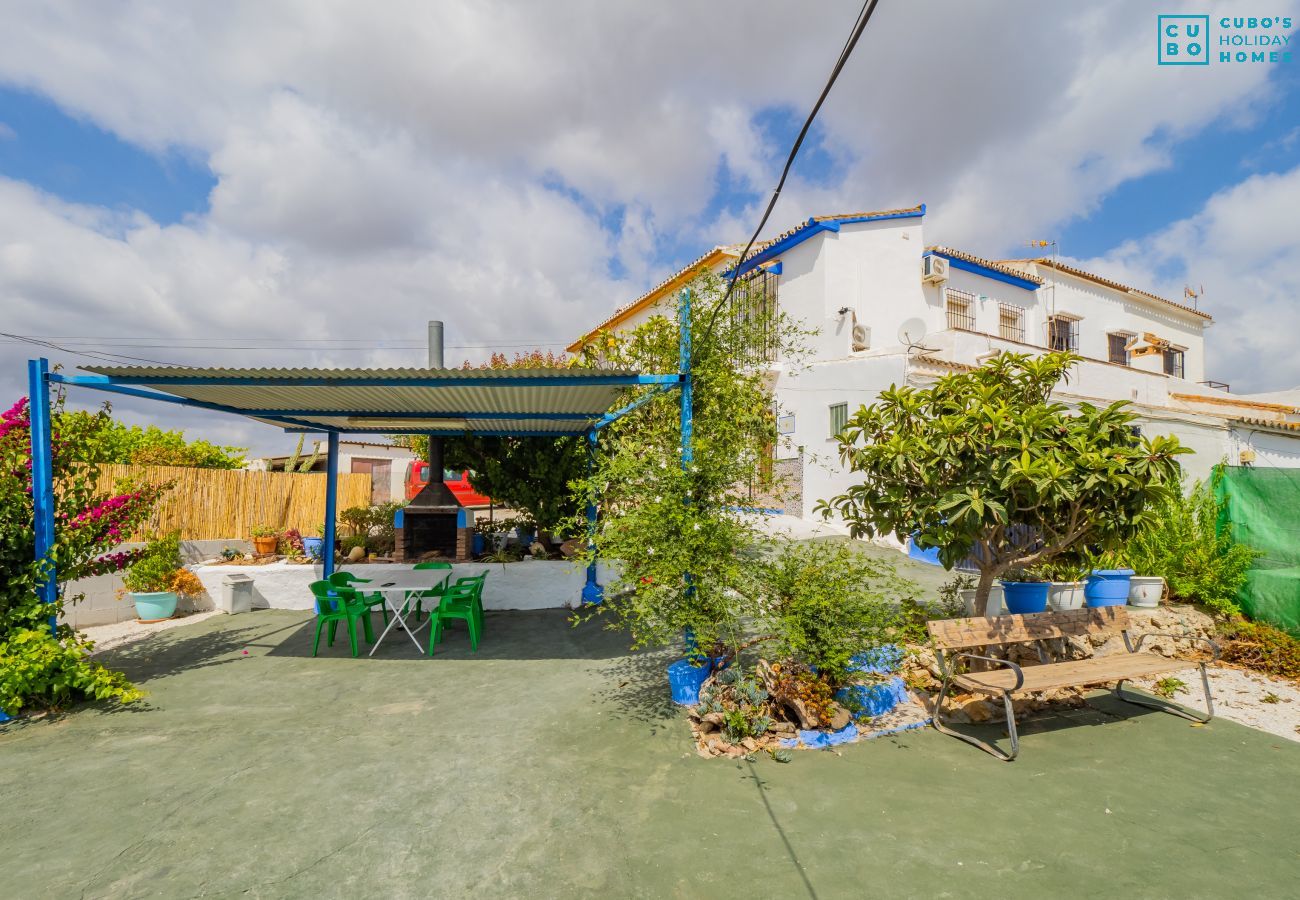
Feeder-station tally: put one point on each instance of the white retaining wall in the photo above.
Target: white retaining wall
(528, 584)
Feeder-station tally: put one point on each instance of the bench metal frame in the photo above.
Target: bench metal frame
(949, 670)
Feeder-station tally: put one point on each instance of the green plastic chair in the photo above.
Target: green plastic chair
(334, 604)
(433, 593)
(372, 599)
(464, 601)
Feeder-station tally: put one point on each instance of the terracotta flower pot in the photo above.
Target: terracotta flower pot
(265, 545)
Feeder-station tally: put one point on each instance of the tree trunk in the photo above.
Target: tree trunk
(983, 589)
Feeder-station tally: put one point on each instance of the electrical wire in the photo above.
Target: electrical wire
(91, 354)
(864, 16)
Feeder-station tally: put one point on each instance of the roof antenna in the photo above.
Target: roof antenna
(1193, 295)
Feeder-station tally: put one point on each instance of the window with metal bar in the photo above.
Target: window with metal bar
(1011, 323)
(1117, 343)
(839, 417)
(961, 310)
(1063, 333)
(1174, 362)
(753, 312)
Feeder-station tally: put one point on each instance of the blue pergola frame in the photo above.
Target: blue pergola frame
(39, 379)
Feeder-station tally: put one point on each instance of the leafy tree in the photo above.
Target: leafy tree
(985, 462)
(531, 474)
(688, 553)
(37, 668)
(116, 442)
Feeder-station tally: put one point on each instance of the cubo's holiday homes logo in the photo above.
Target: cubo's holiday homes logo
(1187, 40)
(1183, 40)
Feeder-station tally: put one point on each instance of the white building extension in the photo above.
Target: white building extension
(889, 310)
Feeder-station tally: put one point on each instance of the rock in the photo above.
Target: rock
(782, 728)
(802, 714)
(571, 548)
(749, 744)
(356, 553)
(714, 718)
(978, 710)
(840, 717)
(718, 745)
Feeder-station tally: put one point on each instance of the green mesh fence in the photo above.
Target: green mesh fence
(1263, 506)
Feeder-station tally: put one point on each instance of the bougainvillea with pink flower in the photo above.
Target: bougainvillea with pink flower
(38, 669)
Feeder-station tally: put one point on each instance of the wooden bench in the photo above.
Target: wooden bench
(958, 637)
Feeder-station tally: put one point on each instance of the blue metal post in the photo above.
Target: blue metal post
(331, 502)
(38, 398)
(592, 591)
(687, 414)
(684, 353)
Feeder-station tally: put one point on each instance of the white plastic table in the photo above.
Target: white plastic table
(395, 586)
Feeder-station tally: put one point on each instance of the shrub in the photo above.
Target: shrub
(826, 602)
(1184, 544)
(1262, 647)
(38, 669)
(156, 566)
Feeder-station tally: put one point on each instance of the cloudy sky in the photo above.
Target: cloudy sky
(305, 182)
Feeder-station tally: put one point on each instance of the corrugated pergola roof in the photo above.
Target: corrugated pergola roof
(425, 401)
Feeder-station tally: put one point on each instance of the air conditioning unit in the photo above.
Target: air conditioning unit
(861, 337)
(934, 269)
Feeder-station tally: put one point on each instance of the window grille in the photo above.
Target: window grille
(753, 311)
(1011, 323)
(961, 310)
(839, 417)
(1063, 333)
(1174, 363)
(1118, 345)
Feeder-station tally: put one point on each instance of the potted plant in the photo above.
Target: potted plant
(1146, 591)
(1025, 590)
(156, 580)
(1108, 587)
(265, 540)
(1066, 582)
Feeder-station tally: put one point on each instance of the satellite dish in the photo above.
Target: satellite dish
(911, 332)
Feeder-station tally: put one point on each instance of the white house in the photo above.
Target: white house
(890, 310)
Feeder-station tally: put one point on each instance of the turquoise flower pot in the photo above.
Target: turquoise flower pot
(155, 606)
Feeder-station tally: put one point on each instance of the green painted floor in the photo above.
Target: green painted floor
(548, 765)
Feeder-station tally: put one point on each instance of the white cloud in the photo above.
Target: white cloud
(377, 167)
(1242, 248)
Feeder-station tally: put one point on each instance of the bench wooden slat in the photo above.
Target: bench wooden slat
(958, 634)
(1076, 673)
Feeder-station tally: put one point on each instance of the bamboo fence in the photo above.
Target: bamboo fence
(221, 504)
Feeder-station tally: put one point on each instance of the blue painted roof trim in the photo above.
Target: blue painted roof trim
(813, 227)
(968, 266)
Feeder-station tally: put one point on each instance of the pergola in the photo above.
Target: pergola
(436, 402)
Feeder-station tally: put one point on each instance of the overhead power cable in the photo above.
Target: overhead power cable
(860, 25)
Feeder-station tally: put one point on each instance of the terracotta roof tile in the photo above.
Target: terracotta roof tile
(995, 265)
(1102, 280)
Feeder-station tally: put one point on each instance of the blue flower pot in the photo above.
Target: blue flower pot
(154, 606)
(1107, 587)
(312, 546)
(685, 680)
(479, 545)
(526, 535)
(1024, 598)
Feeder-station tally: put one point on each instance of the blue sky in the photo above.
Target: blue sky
(77, 161)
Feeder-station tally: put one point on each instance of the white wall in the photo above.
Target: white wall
(808, 395)
(1103, 310)
(530, 584)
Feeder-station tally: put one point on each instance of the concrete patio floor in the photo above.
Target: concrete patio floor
(550, 765)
